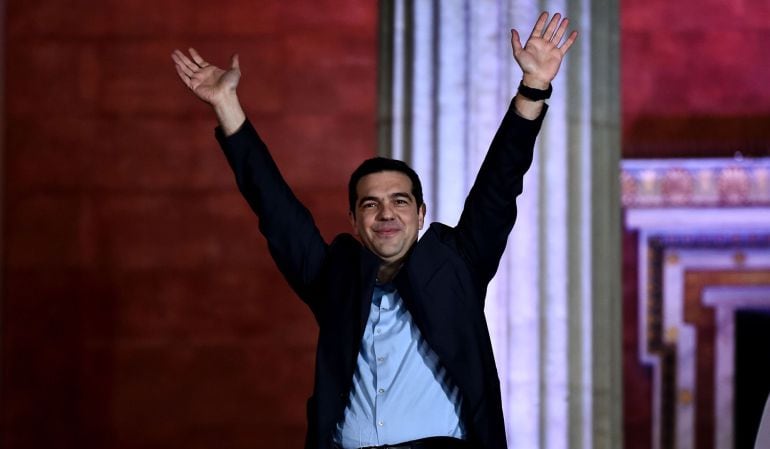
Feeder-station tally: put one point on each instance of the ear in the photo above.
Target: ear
(352, 218)
(421, 215)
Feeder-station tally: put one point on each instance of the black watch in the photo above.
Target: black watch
(535, 94)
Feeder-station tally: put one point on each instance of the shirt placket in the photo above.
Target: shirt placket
(381, 377)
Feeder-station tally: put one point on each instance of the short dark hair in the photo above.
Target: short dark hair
(381, 164)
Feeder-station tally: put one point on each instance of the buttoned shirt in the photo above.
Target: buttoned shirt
(400, 390)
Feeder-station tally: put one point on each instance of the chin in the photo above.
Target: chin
(387, 256)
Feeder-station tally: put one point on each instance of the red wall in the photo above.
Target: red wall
(695, 76)
(140, 307)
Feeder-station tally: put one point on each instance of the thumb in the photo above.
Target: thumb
(515, 42)
(235, 63)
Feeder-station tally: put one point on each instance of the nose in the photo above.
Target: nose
(385, 213)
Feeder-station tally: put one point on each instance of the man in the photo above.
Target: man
(404, 357)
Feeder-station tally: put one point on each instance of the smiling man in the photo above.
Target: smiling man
(404, 358)
(386, 211)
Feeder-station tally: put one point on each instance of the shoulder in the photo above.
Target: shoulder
(437, 233)
(437, 244)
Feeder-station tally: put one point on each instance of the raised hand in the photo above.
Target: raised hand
(208, 82)
(213, 85)
(541, 56)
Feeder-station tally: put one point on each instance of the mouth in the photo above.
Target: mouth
(388, 232)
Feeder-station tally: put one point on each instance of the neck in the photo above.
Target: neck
(388, 271)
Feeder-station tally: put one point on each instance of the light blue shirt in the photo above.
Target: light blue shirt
(400, 391)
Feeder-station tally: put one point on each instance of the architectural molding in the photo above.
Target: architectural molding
(684, 183)
(704, 250)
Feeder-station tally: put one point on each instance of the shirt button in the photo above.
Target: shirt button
(380, 359)
(381, 423)
(378, 331)
(381, 390)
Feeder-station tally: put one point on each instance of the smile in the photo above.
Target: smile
(387, 232)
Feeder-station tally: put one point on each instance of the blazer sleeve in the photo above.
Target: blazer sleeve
(295, 242)
(490, 208)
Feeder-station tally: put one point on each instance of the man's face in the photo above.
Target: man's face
(386, 217)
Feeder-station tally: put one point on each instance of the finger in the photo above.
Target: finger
(560, 31)
(183, 76)
(180, 64)
(515, 42)
(197, 58)
(568, 43)
(552, 25)
(537, 31)
(184, 60)
(235, 62)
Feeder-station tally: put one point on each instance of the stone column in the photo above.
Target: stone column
(554, 311)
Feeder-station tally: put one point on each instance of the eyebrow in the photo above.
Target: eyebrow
(401, 195)
(392, 195)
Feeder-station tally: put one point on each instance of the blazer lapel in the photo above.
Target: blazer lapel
(369, 266)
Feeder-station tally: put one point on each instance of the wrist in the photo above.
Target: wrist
(225, 101)
(535, 82)
(229, 113)
(535, 94)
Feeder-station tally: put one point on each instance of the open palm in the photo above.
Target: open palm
(208, 82)
(541, 56)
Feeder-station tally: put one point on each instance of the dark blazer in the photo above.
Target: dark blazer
(443, 281)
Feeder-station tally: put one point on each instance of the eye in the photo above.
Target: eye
(401, 202)
(368, 205)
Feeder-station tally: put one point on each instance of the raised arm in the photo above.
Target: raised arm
(295, 243)
(540, 59)
(490, 208)
(213, 86)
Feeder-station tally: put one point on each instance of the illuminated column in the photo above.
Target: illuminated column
(447, 78)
